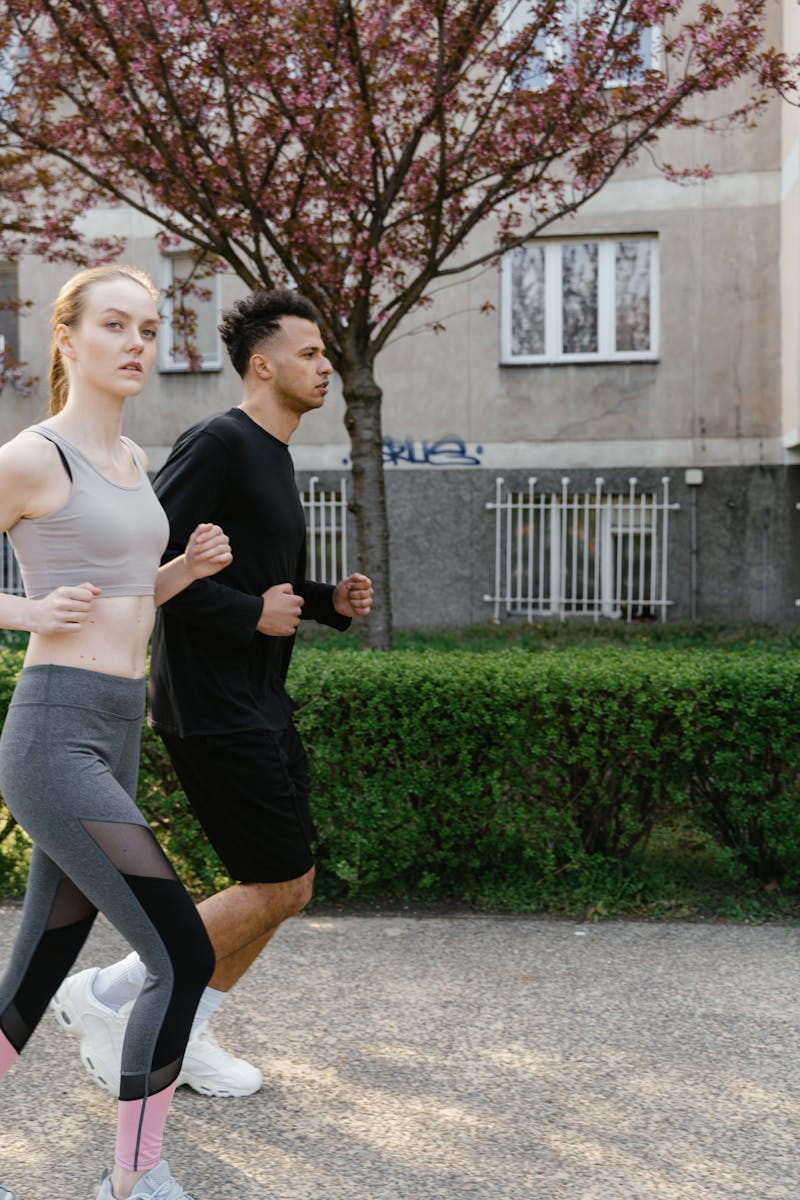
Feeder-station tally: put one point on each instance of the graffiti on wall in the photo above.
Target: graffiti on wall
(416, 452)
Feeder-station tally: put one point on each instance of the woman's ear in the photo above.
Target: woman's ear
(63, 339)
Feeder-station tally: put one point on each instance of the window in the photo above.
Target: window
(191, 316)
(580, 300)
(594, 553)
(9, 317)
(553, 45)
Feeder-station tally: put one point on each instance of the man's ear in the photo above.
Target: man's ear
(261, 366)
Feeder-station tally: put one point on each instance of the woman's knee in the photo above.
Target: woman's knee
(184, 948)
(197, 960)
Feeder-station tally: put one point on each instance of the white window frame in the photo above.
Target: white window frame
(606, 304)
(168, 362)
(555, 47)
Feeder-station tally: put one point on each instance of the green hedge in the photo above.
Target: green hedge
(457, 775)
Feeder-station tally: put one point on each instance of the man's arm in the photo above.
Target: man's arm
(195, 480)
(336, 606)
(318, 605)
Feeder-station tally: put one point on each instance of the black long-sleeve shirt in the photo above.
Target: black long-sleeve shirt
(211, 671)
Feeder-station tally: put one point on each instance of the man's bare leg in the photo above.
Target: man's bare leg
(241, 920)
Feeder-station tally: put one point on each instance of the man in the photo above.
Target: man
(219, 660)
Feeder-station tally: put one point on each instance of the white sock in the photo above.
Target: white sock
(121, 982)
(209, 1003)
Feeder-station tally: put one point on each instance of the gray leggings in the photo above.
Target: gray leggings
(69, 755)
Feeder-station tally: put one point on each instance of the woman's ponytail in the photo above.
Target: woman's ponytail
(59, 383)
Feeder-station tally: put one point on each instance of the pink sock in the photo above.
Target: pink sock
(8, 1055)
(140, 1130)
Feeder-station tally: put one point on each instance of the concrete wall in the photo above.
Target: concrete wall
(748, 540)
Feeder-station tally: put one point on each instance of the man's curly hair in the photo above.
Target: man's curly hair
(256, 319)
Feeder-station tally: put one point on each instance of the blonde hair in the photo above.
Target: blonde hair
(68, 310)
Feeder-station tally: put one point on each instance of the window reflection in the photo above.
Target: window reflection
(579, 298)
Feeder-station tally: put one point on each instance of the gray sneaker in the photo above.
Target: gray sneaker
(7, 1194)
(157, 1184)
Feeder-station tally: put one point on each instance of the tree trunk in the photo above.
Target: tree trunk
(363, 422)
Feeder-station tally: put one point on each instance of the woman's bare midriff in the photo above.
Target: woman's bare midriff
(112, 640)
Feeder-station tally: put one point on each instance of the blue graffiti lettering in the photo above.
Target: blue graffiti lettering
(446, 452)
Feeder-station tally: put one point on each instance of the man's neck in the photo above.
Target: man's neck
(276, 420)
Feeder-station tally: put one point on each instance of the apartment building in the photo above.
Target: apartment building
(618, 437)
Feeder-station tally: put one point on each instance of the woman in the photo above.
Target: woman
(89, 534)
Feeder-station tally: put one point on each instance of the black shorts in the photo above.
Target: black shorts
(249, 791)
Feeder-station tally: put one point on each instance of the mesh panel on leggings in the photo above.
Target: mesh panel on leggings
(192, 961)
(14, 1027)
(132, 849)
(185, 955)
(52, 960)
(136, 854)
(70, 906)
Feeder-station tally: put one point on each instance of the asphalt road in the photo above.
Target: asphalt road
(463, 1058)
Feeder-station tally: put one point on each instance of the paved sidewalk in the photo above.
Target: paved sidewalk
(464, 1058)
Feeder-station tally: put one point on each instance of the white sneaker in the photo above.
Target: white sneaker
(7, 1194)
(100, 1029)
(157, 1184)
(211, 1071)
(207, 1068)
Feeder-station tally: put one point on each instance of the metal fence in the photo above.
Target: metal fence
(592, 553)
(10, 578)
(326, 523)
(326, 528)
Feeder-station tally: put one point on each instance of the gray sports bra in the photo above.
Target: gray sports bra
(108, 534)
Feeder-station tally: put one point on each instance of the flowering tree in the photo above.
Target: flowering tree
(350, 146)
(15, 373)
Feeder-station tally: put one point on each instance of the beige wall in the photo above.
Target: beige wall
(715, 387)
(717, 368)
(790, 250)
(725, 388)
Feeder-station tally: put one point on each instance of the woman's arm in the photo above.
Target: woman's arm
(207, 551)
(31, 483)
(62, 611)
